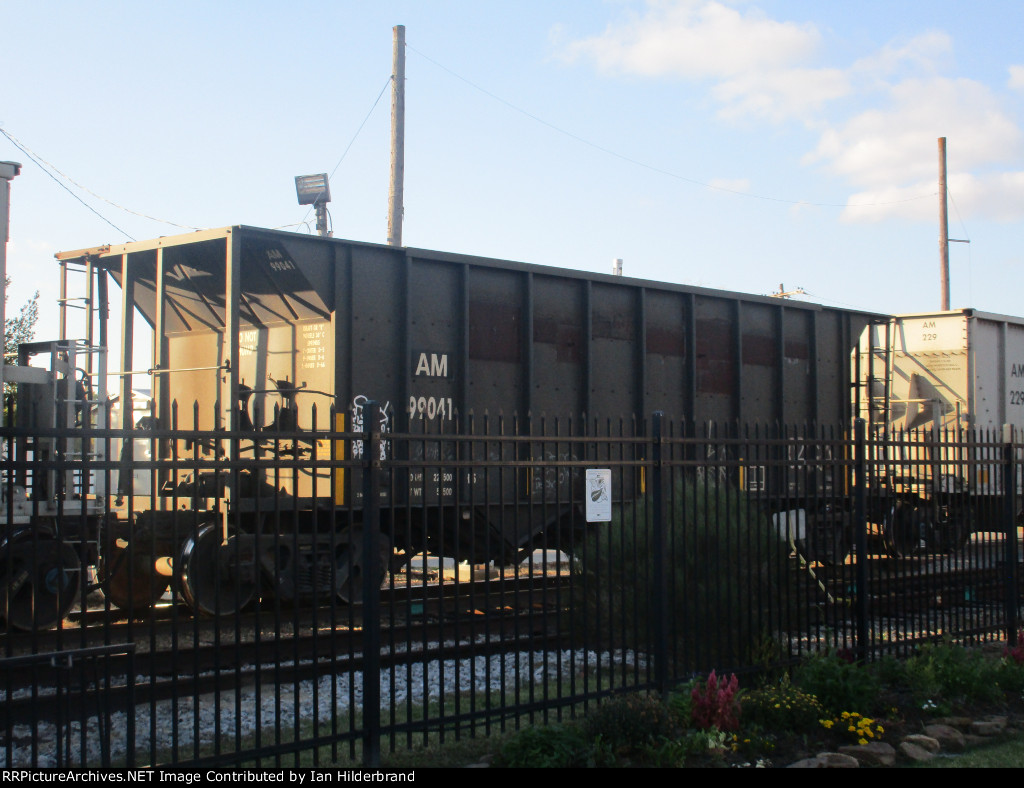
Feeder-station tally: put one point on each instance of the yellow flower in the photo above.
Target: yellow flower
(846, 715)
(862, 741)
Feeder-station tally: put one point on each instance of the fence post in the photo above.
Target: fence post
(658, 581)
(371, 584)
(1010, 521)
(861, 536)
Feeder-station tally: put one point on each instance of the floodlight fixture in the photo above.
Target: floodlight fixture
(315, 190)
(312, 189)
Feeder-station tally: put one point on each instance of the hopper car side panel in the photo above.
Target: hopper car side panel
(265, 332)
(437, 337)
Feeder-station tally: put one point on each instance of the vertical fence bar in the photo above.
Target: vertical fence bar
(1010, 523)
(371, 585)
(860, 534)
(659, 588)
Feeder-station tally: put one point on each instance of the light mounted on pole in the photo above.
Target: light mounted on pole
(315, 190)
(9, 170)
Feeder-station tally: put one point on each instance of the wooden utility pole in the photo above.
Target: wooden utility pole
(943, 227)
(395, 193)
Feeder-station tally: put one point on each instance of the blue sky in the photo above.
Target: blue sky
(734, 145)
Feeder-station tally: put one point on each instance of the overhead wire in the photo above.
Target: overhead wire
(651, 167)
(38, 163)
(351, 143)
(86, 189)
(46, 167)
(967, 238)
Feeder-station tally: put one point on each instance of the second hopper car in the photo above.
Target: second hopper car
(955, 380)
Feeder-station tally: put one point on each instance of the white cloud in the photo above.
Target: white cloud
(1016, 81)
(898, 143)
(923, 53)
(998, 196)
(756, 61)
(778, 95)
(697, 39)
(995, 196)
(759, 67)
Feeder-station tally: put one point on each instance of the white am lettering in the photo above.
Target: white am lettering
(433, 365)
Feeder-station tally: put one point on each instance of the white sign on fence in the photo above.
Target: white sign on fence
(599, 495)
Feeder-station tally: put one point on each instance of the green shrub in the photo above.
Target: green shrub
(546, 747)
(782, 708)
(838, 683)
(695, 744)
(754, 743)
(728, 579)
(1011, 668)
(891, 671)
(1010, 677)
(680, 702)
(947, 675)
(627, 725)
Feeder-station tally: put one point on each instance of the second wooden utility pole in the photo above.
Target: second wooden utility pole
(943, 227)
(395, 193)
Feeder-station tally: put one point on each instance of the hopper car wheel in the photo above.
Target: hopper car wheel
(131, 581)
(904, 529)
(39, 582)
(210, 583)
(349, 562)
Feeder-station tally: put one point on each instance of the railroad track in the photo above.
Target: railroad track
(212, 656)
(901, 586)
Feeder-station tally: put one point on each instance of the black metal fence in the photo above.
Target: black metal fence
(183, 596)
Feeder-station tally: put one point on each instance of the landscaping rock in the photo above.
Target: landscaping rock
(807, 763)
(827, 760)
(948, 737)
(990, 726)
(915, 752)
(876, 753)
(960, 723)
(925, 742)
(838, 760)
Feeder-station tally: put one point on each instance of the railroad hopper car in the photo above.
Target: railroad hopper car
(267, 330)
(956, 377)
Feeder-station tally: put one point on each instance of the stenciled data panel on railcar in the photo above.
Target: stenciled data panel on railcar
(432, 409)
(288, 366)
